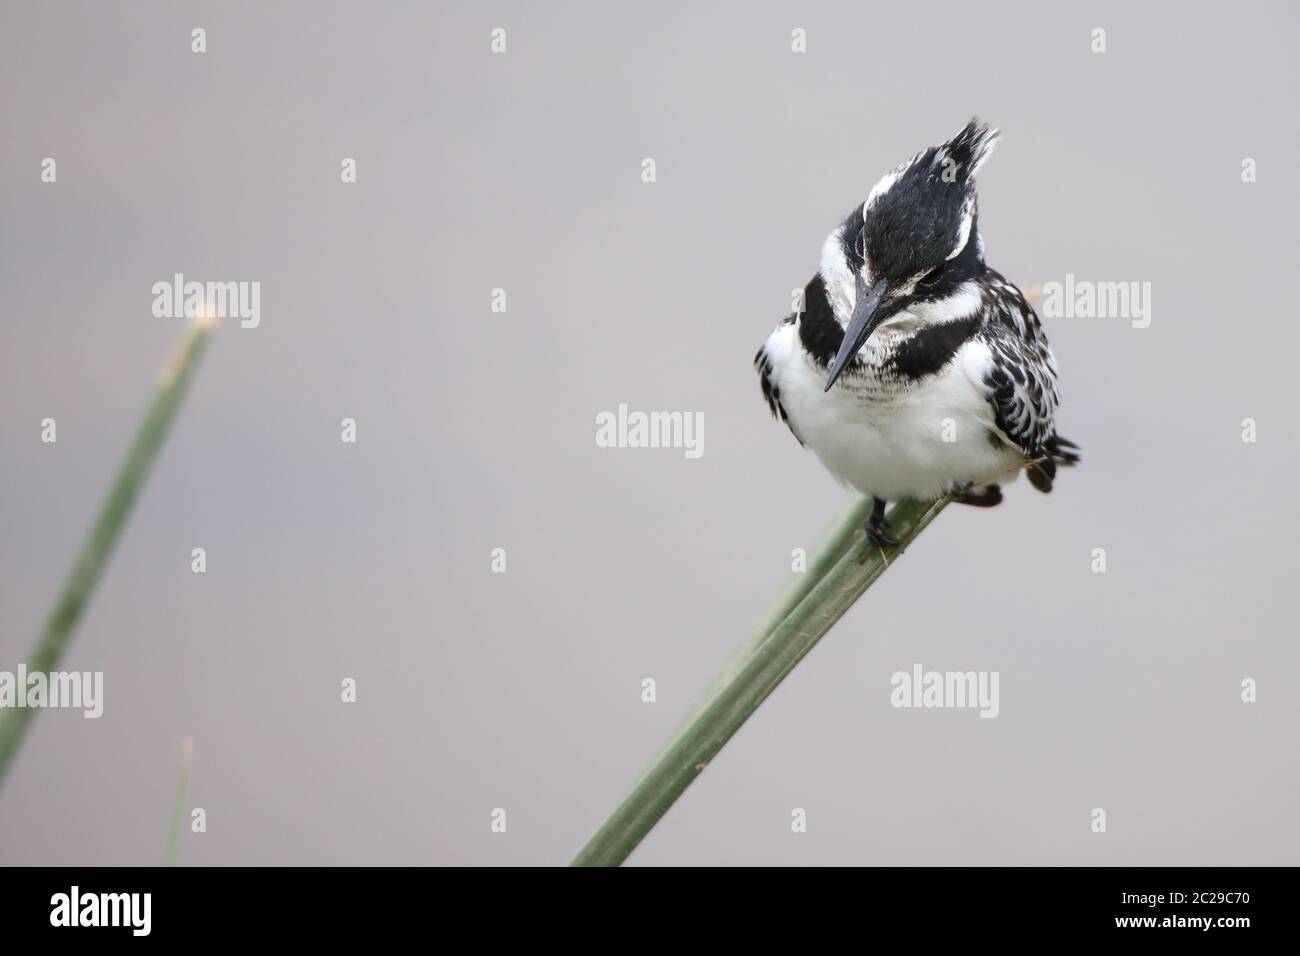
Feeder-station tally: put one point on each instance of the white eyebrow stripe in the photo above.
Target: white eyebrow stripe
(963, 234)
(886, 182)
(882, 186)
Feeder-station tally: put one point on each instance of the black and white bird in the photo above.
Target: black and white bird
(913, 369)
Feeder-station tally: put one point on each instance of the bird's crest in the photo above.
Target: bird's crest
(967, 151)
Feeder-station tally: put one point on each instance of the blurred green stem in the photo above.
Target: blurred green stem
(178, 808)
(841, 571)
(95, 552)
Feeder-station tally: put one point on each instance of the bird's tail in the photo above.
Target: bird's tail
(1063, 451)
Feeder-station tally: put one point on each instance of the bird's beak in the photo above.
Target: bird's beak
(867, 314)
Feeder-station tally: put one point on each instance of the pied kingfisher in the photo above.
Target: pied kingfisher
(913, 369)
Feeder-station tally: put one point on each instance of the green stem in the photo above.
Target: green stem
(748, 684)
(823, 558)
(178, 808)
(95, 552)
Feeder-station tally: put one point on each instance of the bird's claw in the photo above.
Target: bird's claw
(879, 536)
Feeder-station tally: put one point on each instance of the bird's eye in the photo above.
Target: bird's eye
(931, 277)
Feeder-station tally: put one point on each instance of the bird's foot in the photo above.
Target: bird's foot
(879, 536)
(877, 532)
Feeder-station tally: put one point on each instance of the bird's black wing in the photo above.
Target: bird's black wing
(1019, 381)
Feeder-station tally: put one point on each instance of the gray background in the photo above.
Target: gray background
(476, 430)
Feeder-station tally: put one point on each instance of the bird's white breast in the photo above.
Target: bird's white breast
(887, 438)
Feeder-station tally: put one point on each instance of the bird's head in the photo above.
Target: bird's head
(911, 246)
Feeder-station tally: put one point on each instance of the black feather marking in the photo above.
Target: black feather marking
(819, 332)
(930, 349)
(851, 239)
(772, 391)
(967, 264)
